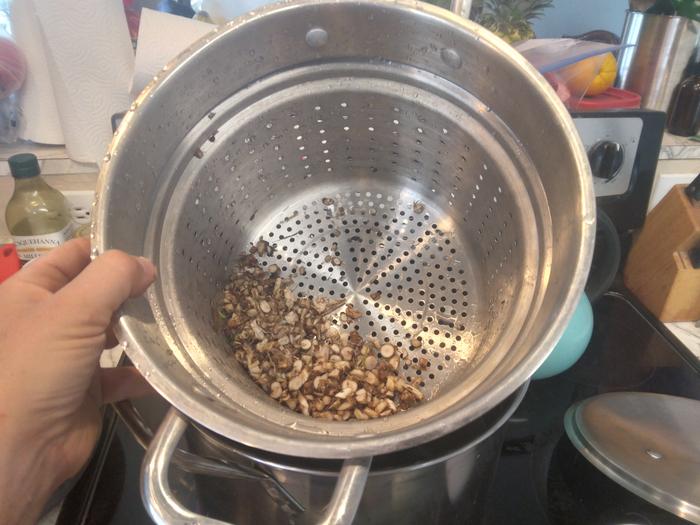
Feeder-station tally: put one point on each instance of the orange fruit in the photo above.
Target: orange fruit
(591, 76)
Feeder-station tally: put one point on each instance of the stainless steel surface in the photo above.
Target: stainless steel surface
(444, 481)
(474, 218)
(194, 464)
(661, 47)
(160, 502)
(648, 443)
(163, 506)
(347, 493)
(626, 132)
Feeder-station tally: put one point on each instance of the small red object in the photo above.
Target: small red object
(612, 98)
(9, 261)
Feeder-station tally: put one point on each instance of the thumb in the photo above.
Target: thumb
(99, 290)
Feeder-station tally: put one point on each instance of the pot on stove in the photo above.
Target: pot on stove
(444, 481)
(384, 139)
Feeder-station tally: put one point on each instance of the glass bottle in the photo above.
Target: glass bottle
(37, 215)
(684, 111)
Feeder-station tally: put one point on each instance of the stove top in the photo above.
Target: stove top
(542, 479)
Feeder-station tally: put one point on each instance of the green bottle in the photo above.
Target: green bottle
(37, 215)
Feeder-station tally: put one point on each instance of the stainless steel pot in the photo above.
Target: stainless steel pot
(438, 160)
(444, 481)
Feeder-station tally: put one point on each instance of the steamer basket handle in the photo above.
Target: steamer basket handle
(164, 508)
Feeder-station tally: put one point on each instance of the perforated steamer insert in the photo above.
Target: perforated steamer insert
(339, 198)
(392, 171)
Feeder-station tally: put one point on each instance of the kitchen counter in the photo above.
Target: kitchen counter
(678, 148)
(688, 334)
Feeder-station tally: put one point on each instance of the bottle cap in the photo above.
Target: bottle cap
(24, 166)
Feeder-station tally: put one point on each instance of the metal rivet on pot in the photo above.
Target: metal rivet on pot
(451, 58)
(317, 37)
(653, 454)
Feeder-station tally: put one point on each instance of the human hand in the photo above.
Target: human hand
(54, 315)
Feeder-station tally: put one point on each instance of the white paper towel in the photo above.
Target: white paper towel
(90, 64)
(221, 11)
(40, 121)
(162, 37)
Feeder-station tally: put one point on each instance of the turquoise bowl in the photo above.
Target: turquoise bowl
(572, 343)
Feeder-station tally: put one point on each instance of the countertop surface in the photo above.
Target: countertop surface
(678, 148)
(688, 334)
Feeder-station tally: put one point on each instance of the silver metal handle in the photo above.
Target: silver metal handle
(194, 464)
(158, 499)
(164, 508)
(347, 493)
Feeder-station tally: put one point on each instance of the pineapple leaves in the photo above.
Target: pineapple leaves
(511, 19)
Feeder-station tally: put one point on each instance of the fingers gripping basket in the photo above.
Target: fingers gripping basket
(435, 161)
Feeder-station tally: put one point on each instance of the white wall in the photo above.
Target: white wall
(573, 17)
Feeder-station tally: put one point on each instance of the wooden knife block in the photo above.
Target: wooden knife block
(658, 271)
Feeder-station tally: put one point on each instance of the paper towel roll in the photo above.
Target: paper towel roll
(90, 61)
(221, 11)
(162, 37)
(40, 121)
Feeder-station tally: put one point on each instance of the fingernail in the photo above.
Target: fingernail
(148, 268)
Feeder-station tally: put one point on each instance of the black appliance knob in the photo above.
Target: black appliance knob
(606, 159)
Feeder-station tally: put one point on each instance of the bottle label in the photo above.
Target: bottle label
(32, 246)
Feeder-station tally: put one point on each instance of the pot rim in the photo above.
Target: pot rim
(509, 406)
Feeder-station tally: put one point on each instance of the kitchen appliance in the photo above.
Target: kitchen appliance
(623, 149)
(541, 479)
(389, 147)
(548, 482)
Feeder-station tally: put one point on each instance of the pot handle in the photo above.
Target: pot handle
(163, 507)
(200, 465)
(347, 493)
